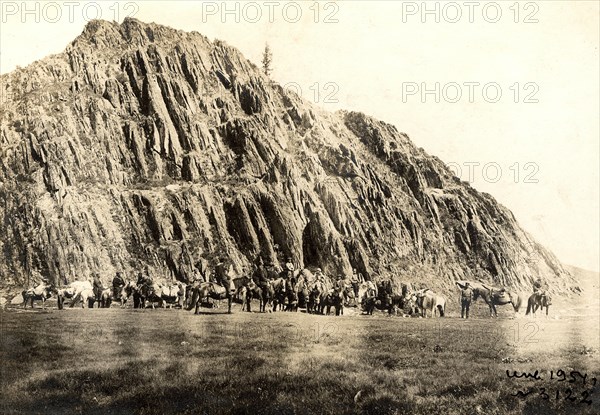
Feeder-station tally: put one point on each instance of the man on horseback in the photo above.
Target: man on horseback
(539, 286)
(222, 277)
(118, 283)
(289, 268)
(466, 296)
(260, 274)
(197, 276)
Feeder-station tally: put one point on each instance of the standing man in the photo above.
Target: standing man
(118, 283)
(98, 288)
(466, 296)
(356, 279)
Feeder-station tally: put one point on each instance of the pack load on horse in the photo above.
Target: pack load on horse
(41, 292)
(76, 291)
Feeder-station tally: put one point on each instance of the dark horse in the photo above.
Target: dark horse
(333, 299)
(216, 292)
(538, 299)
(493, 296)
(251, 290)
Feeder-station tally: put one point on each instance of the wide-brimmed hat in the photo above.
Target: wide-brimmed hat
(318, 270)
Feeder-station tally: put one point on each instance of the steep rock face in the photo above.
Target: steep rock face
(141, 144)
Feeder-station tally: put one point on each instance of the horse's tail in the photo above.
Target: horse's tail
(441, 310)
(517, 302)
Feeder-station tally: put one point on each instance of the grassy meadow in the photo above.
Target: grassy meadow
(113, 361)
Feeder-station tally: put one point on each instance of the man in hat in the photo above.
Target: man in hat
(356, 279)
(118, 283)
(466, 296)
(260, 276)
(340, 286)
(289, 268)
(98, 287)
(539, 286)
(319, 280)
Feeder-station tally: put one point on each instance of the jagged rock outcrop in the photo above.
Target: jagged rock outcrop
(141, 144)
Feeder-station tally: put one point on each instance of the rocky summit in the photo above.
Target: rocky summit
(144, 145)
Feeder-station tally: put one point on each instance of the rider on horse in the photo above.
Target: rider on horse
(222, 277)
(260, 274)
(539, 286)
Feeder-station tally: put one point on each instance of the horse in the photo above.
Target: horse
(427, 300)
(106, 298)
(78, 292)
(279, 297)
(493, 296)
(117, 293)
(314, 300)
(538, 299)
(250, 291)
(333, 298)
(126, 292)
(172, 294)
(42, 292)
(209, 290)
(86, 297)
(151, 293)
(302, 292)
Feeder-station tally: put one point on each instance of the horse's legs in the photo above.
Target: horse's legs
(229, 300)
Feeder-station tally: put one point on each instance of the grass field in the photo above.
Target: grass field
(117, 361)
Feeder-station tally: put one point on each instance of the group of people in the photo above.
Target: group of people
(262, 274)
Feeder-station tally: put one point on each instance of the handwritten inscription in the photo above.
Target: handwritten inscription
(560, 377)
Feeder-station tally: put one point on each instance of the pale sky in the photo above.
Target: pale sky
(365, 54)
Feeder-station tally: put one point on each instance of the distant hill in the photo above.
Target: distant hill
(143, 145)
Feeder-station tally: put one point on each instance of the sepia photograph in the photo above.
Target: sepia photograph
(300, 207)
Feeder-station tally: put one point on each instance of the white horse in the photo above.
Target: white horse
(427, 300)
(42, 292)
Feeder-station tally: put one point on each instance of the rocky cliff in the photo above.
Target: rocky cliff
(140, 144)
